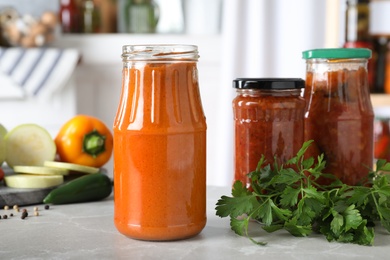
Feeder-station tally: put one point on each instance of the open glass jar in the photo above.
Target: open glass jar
(160, 144)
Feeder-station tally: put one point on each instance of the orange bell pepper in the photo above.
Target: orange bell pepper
(84, 140)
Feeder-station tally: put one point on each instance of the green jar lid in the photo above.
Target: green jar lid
(337, 53)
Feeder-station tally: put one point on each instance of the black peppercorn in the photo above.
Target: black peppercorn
(24, 214)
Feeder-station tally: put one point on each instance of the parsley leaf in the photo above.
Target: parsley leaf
(235, 206)
(295, 229)
(287, 197)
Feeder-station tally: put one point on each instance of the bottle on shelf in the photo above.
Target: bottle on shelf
(108, 12)
(91, 21)
(357, 24)
(357, 35)
(70, 16)
(137, 16)
(380, 31)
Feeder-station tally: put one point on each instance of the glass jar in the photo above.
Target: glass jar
(160, 145)
(357, 35)
(91, 17)
(70, 16)
(380, 33)
(109, 15)
(339, 116)
(357, 16)
(268, 120)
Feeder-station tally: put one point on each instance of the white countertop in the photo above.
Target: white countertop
(87, 231)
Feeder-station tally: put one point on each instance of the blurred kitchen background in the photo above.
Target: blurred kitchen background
(80, 65)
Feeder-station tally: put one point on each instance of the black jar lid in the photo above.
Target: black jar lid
(268, 83)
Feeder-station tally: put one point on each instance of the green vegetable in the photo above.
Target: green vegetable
(288, 197)
(86, 188)
(29, 145)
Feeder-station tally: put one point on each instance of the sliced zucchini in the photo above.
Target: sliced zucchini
(30, 145)
(41, 170)
(71, 167)
(33, 181)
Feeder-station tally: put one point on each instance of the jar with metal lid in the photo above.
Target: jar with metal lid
(160, 144)
(268, 120)
(339, 116)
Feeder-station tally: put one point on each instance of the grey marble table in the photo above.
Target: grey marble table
(87, 231)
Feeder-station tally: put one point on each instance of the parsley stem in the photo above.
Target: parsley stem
(376, 205)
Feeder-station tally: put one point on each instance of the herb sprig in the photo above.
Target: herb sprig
(288, 197)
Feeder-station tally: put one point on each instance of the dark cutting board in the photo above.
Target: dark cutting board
(21, 197)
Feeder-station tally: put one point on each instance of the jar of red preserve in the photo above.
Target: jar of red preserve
(268, 120)
(339, 116)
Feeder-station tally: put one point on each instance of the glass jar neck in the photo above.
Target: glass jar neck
(324, 65)
(156, 53)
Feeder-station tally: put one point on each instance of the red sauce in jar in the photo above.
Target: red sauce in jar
(268, 120)
(339, 117)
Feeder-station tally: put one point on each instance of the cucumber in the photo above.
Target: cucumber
(91, 187)
(3, 132)
(29, 145)
(33, 181)
(71, 167)
(40, 170)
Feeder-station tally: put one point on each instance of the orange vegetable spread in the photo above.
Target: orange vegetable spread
(160, 152)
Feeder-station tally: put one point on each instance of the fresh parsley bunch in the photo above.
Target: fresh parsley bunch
(288, 197)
